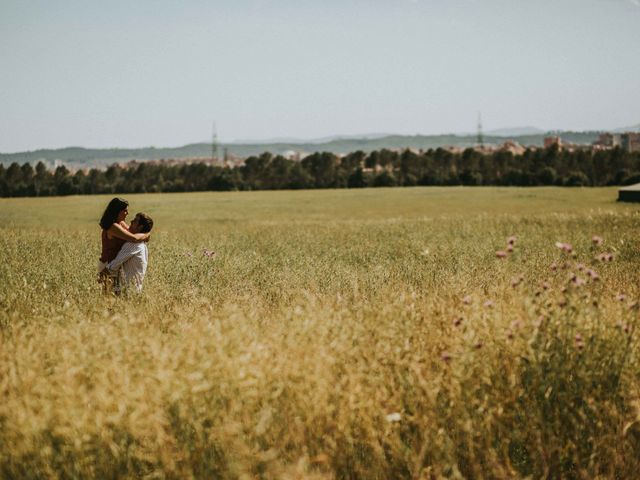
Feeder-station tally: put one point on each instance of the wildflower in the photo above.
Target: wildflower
(516, 324)
(627, 328)
(512, 240)
(477, 345)
(467, 300)
(488, 304)
(546, 285)
(562, 302)
(597, 240)
(393, 417)
(554, 267)
(509, 334)
(580, 267)
(592, 275)
(509, 248)
(565, 247)
(579, 342)
(578, 282)
(188, 254)
(208, 253)
(621, 297)
(501, 254)
(457, 322)
(515, 281)
(605, 257)
(445, 357)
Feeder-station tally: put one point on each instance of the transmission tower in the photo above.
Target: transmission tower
(480, 138)
(214, 144)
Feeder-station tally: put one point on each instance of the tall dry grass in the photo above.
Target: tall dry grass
(361, 347)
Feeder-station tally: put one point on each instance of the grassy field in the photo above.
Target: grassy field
(360, 334)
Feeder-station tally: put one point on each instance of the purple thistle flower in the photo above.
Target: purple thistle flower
(565, 247)
(597, 240)
(592, 274)
(605, 257)
(578, 282)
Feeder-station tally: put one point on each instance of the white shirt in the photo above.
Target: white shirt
(132, 261)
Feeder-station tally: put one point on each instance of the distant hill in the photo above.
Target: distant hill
(634, 128)
(366, 136)
(78, 157)
(515, 132)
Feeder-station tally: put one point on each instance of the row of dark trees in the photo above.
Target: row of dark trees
(326, 170)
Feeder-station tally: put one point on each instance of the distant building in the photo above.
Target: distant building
(513, 147)
(608, 140)
(293, 155)
(551, 141)
(630, 141)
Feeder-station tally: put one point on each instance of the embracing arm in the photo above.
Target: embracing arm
(127, 251)
(118, 231)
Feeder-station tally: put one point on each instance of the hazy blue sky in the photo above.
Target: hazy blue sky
(139, 73)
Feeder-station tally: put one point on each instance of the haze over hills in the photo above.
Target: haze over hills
(634, 128)
(515, 131)
(79, 157)
(366, 136)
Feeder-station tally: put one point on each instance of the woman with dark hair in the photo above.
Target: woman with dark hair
(115, 232)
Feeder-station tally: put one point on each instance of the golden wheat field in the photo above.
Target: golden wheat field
(416, 333)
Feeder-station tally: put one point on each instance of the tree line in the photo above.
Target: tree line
(380, 168)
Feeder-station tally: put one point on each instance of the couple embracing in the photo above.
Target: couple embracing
(124, 258)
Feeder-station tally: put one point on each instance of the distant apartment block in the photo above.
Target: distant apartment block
(551, 141)
(608, 140)
(513, 147)
(630, 141)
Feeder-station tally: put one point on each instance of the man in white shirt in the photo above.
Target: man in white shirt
(130, 265)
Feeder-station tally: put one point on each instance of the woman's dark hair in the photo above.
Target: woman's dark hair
(112, 211)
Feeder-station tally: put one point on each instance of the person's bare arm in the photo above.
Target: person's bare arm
(120, 232)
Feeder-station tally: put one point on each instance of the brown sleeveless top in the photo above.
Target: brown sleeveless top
(110, 247)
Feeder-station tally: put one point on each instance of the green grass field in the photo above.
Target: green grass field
(335, 334)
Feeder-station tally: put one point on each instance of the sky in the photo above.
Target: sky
(159, 73)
